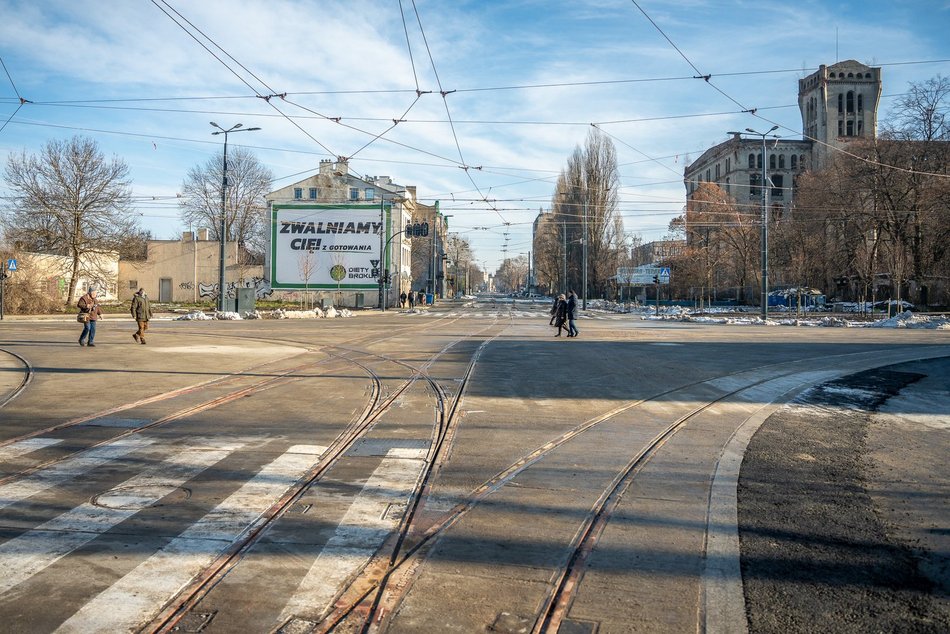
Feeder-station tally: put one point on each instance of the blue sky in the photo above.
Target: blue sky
(529, 77)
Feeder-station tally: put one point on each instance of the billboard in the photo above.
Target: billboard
(327, 246)
(643, 275)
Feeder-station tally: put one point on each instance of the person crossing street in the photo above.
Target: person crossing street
(141, 312)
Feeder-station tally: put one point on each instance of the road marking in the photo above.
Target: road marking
(140, 594)
(69, 469)
(39, 548)
(363, 528)
(23, 447)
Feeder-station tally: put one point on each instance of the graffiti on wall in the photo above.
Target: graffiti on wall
(210, 291)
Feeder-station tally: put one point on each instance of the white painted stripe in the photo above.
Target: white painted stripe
(362, 530)
(35, 550)
(23, 447)
(69, 469)
(139, 595)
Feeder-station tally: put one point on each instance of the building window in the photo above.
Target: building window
(370, 193)
(860, 127)
(772, 162)
(778, 182)
(133, 285)
(758, 161)
(794, 161)
(727, 185)
(801, 161)
(354, 193)
(754, 190)
(707, 176)
(313, 193)
(850, 101)
(751, 161)
(781, 161)
(860, 102)
(728, 165)
(717, 172)
(841, 128)
(840, 102)
(850, 128)
(298, 193)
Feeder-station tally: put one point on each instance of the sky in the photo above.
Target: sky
(491, 96)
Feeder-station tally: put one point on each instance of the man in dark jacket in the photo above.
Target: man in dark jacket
(571, 309)
(141, 313)
(89, 307)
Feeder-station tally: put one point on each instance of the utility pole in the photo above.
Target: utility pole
(584, 303)
(563, 257)
(222, 288)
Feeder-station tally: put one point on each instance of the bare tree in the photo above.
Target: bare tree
(460, 255)
(245, 209)
(922, 113)
(512, 274)
(69, 200)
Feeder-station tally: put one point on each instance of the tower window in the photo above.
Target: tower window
(840, 102)
(850, 101)
(850, 128)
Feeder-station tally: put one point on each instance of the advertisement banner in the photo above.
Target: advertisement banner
(328, 247)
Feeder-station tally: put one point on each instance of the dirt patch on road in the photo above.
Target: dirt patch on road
(818, 551)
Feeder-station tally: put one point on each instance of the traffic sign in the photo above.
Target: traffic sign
(11, 264)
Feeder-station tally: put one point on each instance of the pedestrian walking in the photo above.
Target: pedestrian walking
(554, 309)
(89, 313)
(402, 299)
(141, 310)
(412, 301)
(571, 309)
(560, 314)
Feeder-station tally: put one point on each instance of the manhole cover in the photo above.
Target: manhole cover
(137, 497)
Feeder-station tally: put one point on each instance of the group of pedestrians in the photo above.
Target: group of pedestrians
(563, 311)
(90, 311)
(412, 299)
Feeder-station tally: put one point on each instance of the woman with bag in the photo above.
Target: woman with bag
(89, 313)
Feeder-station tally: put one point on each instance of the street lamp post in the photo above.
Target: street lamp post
(224, 221)
(584, 281)
(765, 218)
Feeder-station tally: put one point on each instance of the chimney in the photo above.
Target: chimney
(187, 236)
(202, 234)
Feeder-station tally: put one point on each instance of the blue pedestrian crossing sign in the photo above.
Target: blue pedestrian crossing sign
(11, 265)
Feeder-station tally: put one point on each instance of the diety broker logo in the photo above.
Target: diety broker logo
(337, 272)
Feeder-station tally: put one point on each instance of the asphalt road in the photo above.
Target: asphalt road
(463, 470)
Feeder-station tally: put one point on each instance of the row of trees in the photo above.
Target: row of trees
(70, 200)
(583, 209)
(873, 223)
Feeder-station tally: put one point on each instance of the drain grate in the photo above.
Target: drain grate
(299, 508)
(506, 623)
(194, 622)
(578, 626)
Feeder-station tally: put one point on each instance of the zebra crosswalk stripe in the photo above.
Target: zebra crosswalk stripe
(362, 529)
(140, 594)
(23, 447)
(37, 549)
(67, 470)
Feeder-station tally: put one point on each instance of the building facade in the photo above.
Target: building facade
(333, 185)
(838, 104)
(187, 271)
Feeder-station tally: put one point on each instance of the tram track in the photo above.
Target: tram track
(190, 597)
(402, 569)
(27, 379)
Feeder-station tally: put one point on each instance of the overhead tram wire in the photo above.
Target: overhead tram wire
(444, 93)
(17, 92)
(266, 98)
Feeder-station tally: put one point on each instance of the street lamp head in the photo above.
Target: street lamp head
(250, 129)
(236, 126)
(751, 130)
(215, 125)
(774, 128)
